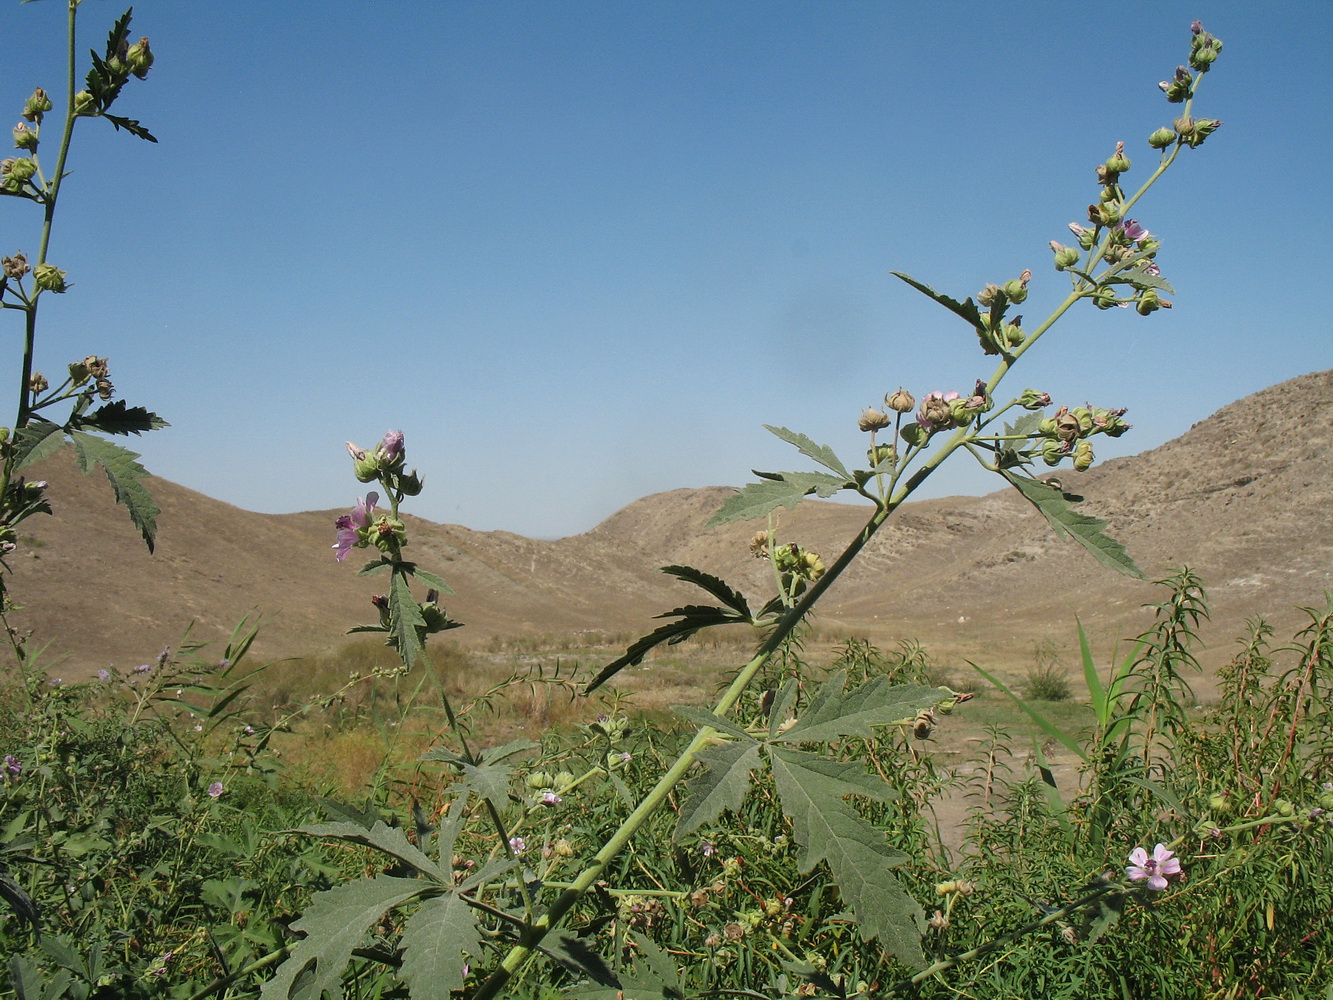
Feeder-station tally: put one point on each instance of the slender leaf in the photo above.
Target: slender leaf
(405, 619)
(966, 309)
(126, 477)
(715, 586)
(389, 839)
(334, 924)
(434, 941)
(1085, 530)
(701, 717)
(1090, 676)
(720, 786)
(1047, 726)
(821, 453)
(692, 618)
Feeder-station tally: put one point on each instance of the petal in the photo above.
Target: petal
(1157, 883)
(1138, 856)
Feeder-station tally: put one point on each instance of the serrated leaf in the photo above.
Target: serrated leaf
(966, 309)
(434, 940)
(126, 477)
(19, 901)
(821, 453)
(130, 125)
(721, 785)
(334, 923)
(831, 714)
(757, 500)
(822, 484)
(715, 586)
(493, 755)
(1085, 530)
(364, 818)
(701, 717)
(827, 829)
(693, 617)
(429, 579)
(783, 700)
(117, 417)
(489, 781)
(1024, 425)
(375, 566)
(1109, 909)
(575, 955)
(405, 619)
(35, 442)
(389, 839)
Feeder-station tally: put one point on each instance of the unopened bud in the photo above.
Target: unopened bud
(1220, 803)
(872, 420)
(38, 383)
(1177, 89)
(24, 137)
(36, 105)
(1034, 400)
(1149, 302)
(1162, 138)
(105, 390)
(1083, 456)
(901, 401)
(49, 278)
(986, 297)
(1203, 128)
(16, 171)
(1017, 289)
(881, 453)
(1064, 256)
(139, 58)
(1118, 163)
(759, 545)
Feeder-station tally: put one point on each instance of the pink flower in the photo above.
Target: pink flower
(215, 789)
(518, 845)
(1133, 231)
(349, 525)
(1154, 869)
(935, 409)
(392, 445)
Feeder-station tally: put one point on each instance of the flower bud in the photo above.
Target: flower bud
(1104, 298)
(16, 266)
(1110, 212)
(1149, 302)
(1013, 332)
(1017, 289)
(391, 448)
(1083, 456)
(16, 171)
(1031, 399)
(901, 401)
(872, 420)
(1053, 452)
(759, 545)
(408, 483)
(1162, 138)
(105, 390)
(38, 383)
(986, 297)
(36, 105)
(1119, 162)
(1203, 128)
(49, 278)
(139, 58)
(1219, 803)
(84, 103)
(539, 779)
(881, 453)
(1284, 808)
(1065, 256)
(1178, 88)
(24, 137)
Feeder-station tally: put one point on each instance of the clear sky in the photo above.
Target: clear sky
(582, 251)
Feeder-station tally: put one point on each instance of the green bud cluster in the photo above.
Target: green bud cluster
(1064, 256)
(997, 336)
(49, 278)
(36, 106)
(798, 563)
(1204, 48)
(1068, 431)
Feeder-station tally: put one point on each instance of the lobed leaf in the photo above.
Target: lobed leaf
(827, 829)
(117, 417)
(405, 619)
(126, 477)
(334, 924)
(720, 786)
(757, 500)
(389, 839)
(1087, 531)
(831, 713)
(821, 453)
(35, 442)
(715, 586)
(434, 941)
(693, 617)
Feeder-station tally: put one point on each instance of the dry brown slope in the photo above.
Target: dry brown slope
(1245, 498)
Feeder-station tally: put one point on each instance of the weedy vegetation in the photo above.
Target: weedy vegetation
(405, 825)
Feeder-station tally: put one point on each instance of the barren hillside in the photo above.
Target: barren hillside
(1245, 498)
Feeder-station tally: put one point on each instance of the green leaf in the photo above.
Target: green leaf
(827, 829)
(821, 453)
(334, 923)
(126, 477)
(783, 700)
(966, 309)
(405, 619)
(35, 442)
(701, 717)
(375, 566)
(693, 617)
(1047, 726)
(117, 417)
(715, 586)
(757, 500)
(434, 942)
(430, 579)
(389, 839)
(1096, 692)
(721, 785)
(831, 713)
(1024, 425)
(575, 955)
(819, 483)
(1085, 530)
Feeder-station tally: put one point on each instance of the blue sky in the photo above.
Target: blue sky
(582, 252)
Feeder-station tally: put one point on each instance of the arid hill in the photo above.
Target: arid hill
(1245, 499)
